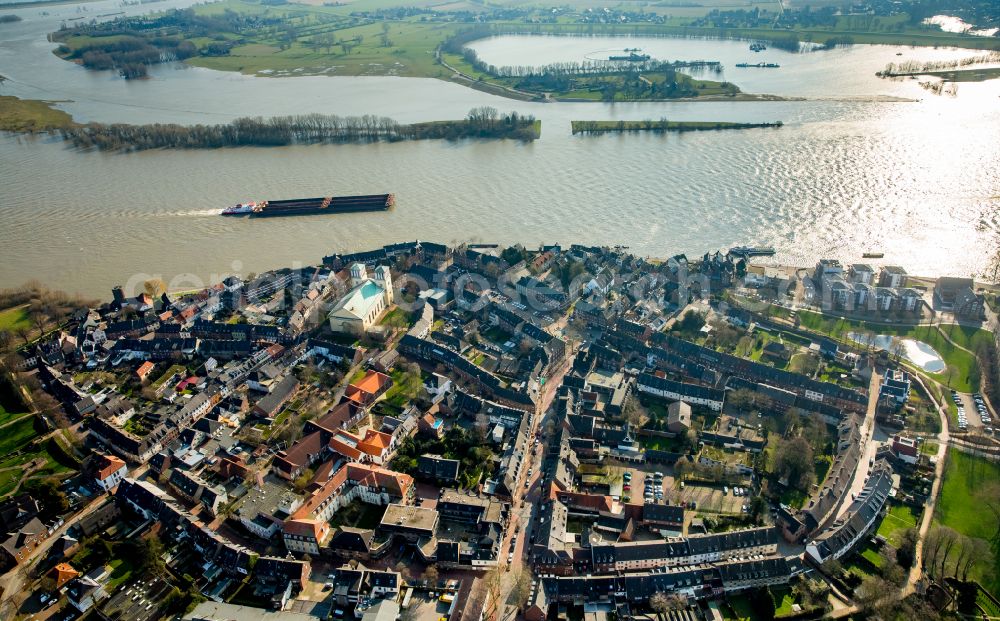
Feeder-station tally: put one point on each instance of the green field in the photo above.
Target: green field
(17, 317)
(15, 454)
(963, 369)
(959, 508)
(16, 435)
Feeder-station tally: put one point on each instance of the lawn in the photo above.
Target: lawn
(11, 406)
(8, 480)
(121, 571)
(741, 608)
(958, 507)
(17, 317)
(406, 386)
(899, 518)
(872, 555)
(16, 435)
(657, 443)
(783, 601)
(396, 318)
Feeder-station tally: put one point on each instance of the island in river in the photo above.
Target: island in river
(485, 122)
(663, 125)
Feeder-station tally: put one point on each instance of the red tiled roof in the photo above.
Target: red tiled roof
(304, 527)
(375, 442)
(63, 573)
(372, 382)
(107, 465)
(346, 443)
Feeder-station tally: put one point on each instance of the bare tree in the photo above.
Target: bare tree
(431, 574)
(979, 553)
(666, 602)
(522, 587)
(952, 539)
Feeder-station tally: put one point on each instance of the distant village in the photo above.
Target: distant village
(468, 433)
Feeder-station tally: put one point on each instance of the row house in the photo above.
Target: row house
(862, 517)
(645, 555)
(678, 391)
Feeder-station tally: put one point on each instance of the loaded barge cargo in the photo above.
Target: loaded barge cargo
(313, 206)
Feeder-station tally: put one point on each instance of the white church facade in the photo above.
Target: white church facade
(365, 303)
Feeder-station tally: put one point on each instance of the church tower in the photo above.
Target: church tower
(358, 274)
(384, 279)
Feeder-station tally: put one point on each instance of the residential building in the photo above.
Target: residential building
(905, 449)
(861, 518)
(892, 276)
(678, 417)
(862, 273)
(679, 391)
(20, 543)
(308, 529)
(108, 471)
(438, 468)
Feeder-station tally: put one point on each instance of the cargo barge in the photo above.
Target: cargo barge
(751, 251)
(312, 206)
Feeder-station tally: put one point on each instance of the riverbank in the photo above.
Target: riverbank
(604, 127)
(31, 116)
(346, 40)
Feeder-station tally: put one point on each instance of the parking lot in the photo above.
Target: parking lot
(707, 498)
(973, 414)
(712, 499)
(424, 608)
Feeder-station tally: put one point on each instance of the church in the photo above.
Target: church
(365, 303)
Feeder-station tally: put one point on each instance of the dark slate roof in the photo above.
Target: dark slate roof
(438, 467)
(693, 391)
(663, 513)
(755, 370)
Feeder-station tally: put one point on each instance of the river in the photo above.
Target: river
(850, 172)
